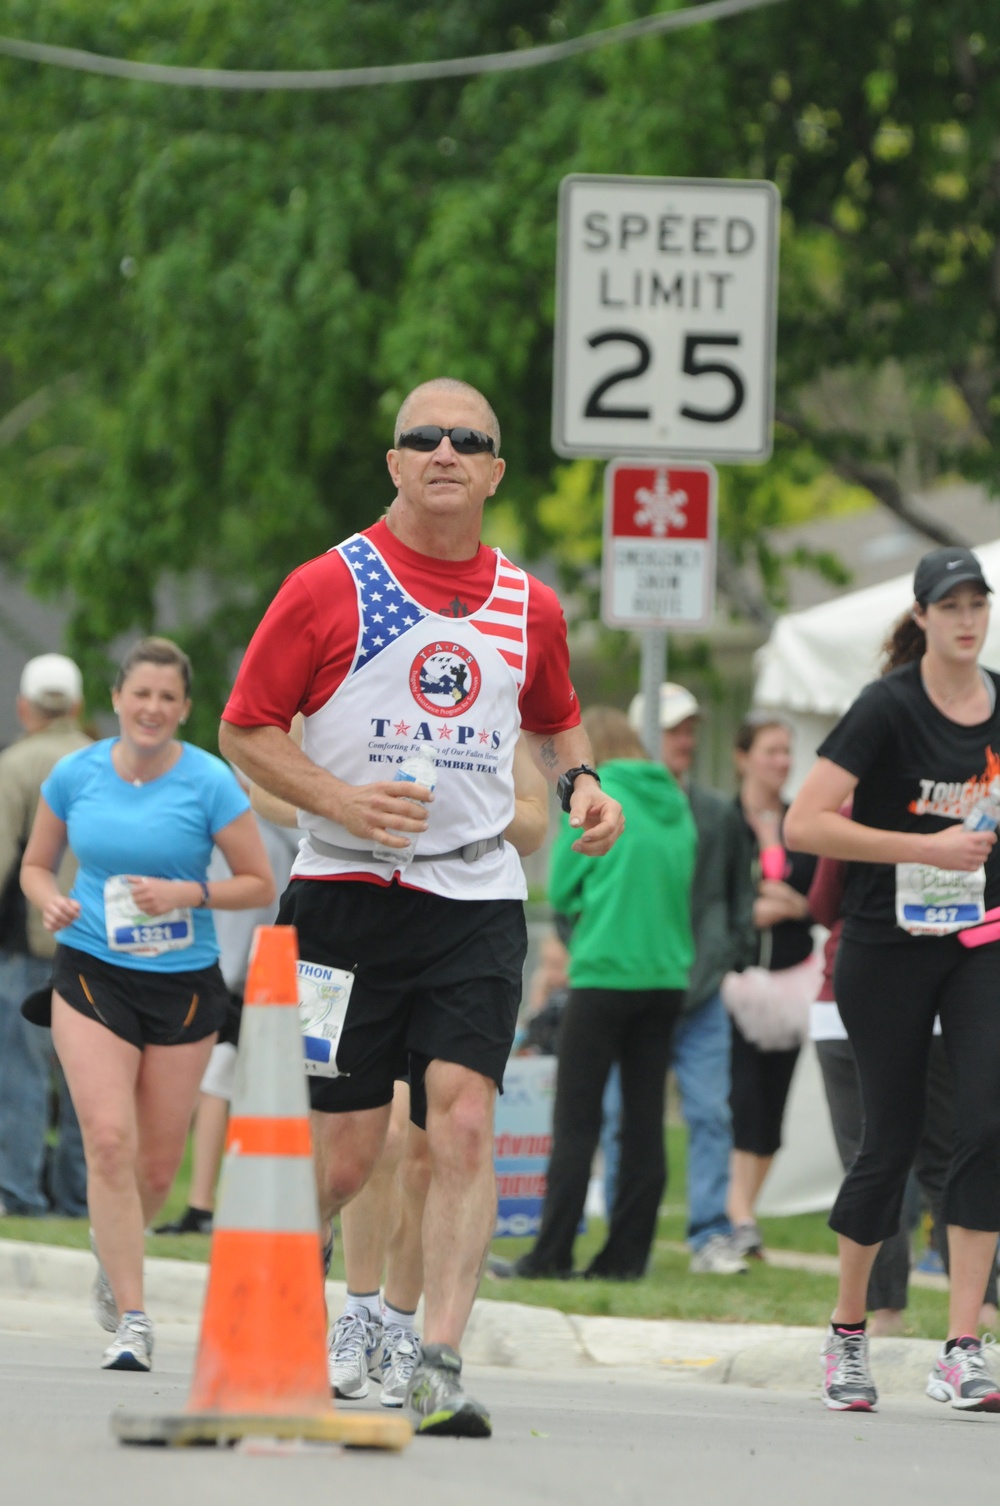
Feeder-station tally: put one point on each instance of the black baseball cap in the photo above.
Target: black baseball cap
(943, 569)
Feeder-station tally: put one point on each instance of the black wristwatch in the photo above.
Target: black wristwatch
(565, 782)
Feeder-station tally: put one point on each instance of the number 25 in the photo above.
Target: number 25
(691, 365)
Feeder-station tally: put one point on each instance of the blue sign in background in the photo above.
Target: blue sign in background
(523, 1143)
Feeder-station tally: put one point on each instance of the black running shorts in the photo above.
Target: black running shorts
(143, 1008)
(435, 979)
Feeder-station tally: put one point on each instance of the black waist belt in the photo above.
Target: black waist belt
(470, 853)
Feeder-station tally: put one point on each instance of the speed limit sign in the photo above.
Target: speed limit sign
(665, 321)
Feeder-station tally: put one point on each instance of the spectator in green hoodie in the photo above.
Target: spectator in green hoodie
(630, 956)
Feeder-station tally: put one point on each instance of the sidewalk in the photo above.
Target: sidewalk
(512, 1335)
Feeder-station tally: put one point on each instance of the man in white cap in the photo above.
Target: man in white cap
(721, 915)
(48, 705)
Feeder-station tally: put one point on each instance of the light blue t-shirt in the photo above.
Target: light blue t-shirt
(163, 829)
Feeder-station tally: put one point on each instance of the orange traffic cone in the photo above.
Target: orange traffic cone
(261, 1366)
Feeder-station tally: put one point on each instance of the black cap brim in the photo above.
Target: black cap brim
(945, 587)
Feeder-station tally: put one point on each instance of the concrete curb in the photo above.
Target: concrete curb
(513, 1335)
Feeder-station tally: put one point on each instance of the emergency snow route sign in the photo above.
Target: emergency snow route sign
(659, 545)
(666, 306)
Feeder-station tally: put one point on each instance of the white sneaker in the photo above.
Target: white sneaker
(102, 1298)
(848, 1385)
(747, 1241)
(964, 1377)
(132, 1345)
(718, 1258)
(353, 1354)
(399, 1358)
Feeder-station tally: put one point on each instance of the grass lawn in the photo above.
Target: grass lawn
(766, 1295)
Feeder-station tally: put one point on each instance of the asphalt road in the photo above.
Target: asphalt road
(588, 1437)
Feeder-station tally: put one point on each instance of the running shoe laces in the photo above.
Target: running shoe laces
(853, 1369)
(352, 1336)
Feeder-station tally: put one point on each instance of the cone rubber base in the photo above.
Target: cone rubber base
(191, 1429)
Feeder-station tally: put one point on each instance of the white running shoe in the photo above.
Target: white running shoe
(718, 1258)
(747, 1241)
(960, 1375)
(353, 1354)
(102, 1298)
(397, 1362)
(848, 1385)
(132, 1346)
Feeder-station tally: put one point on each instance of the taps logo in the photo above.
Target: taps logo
(445, 679)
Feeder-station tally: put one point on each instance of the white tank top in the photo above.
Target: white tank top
(449, 683)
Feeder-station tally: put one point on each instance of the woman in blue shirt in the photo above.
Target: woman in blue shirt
(137, 994)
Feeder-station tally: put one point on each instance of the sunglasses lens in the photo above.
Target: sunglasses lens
(470, 441)
(427, 437)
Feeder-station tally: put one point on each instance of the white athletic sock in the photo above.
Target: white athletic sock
(391, 1316)
(364, 1305)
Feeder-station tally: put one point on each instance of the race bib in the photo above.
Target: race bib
(324, 994)
(937, 901)
(130, 930)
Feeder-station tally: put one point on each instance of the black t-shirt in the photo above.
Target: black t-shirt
(917, 770)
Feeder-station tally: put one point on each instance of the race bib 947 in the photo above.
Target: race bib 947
(937, 901)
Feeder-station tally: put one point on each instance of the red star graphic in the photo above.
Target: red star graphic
(402, 729)
(444, 733)
(484, 736)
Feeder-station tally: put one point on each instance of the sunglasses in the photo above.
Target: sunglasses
(428, 436)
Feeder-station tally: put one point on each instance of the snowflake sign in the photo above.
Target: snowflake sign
(659, 545)
(660, 509)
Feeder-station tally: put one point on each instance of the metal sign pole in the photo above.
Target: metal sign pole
(652, 673)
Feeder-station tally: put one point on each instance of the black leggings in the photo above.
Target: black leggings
(888, 997)
(758, 1094)
(601, 1026)
(888, 1285)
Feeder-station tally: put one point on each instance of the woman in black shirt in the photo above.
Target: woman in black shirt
(761, 1079)
(919, 750)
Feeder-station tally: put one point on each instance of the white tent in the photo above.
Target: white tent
(810, 670)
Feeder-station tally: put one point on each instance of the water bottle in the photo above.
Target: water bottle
(418, 767)
(985, 814)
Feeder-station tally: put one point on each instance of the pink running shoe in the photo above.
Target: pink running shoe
(847, 1383)
(961, 1376)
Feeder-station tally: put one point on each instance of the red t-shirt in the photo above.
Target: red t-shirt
(306, 641)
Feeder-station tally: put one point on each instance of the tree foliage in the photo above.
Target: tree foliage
(212, 303)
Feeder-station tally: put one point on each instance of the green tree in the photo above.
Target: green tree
(213, 302)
